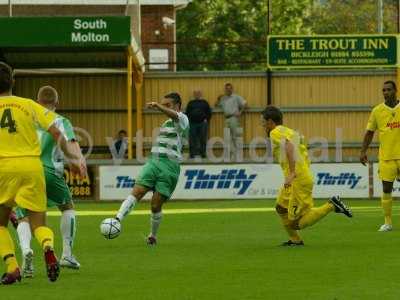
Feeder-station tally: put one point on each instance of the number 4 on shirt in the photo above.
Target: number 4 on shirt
(7, 121)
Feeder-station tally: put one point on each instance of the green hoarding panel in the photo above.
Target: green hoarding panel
(332, 51)
(68, 32)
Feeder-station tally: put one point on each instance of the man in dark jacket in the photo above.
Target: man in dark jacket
(199, 113)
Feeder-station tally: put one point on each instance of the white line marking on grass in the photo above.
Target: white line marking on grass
(197, 211)
(168, 211)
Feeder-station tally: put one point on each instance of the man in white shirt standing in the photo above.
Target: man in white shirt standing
(232, 106)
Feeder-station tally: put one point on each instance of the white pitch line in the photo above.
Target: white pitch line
(168, 211)
(195, 211)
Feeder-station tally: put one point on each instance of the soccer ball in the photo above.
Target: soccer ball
(110, 228)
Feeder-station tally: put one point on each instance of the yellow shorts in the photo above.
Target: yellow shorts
(22, 183)
(297, 199)
(389, 170)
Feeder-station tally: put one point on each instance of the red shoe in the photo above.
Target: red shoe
(151, 240)
(10, 278)
(13, 219)
(52, 266)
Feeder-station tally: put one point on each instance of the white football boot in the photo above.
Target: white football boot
(27, 265)
(385, 228)
(70, 262)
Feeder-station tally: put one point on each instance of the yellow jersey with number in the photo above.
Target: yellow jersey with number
(279, 135)
(386, 121)
(19, 118)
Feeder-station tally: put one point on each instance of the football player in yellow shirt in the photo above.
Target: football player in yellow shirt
(385, 118)
(22, 180)
(295, 204)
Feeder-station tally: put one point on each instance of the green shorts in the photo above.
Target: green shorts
(57, 192)
(160, 174)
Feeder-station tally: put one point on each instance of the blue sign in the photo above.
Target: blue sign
(228, 178)
(124, 182)
(349, 179)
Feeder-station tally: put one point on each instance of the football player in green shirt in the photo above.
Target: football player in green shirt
(58, 193)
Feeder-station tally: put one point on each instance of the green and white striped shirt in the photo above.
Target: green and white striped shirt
(171, 137)
(52, 157)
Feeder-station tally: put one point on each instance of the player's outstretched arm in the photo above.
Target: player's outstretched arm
(167, 111)
(369, 135)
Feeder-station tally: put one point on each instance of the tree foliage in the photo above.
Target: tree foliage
(355, 16)
(290, 16)
(231, 35)
(217, 31)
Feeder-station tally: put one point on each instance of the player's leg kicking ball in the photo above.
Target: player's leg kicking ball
(160, 175)
(111, 227)
(161, 172)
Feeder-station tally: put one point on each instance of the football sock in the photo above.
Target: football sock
(293, 234)
(155, 220)
(386, 202)
(314, 215)
(126, 206)
(24, 236)
(45, 237)
(68, 230)
(7, 251)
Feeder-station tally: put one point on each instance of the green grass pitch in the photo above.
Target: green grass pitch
(225, 255)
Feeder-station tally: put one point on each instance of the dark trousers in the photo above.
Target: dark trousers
(198, 139)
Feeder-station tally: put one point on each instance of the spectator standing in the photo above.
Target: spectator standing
(232, 106)
(199, 113)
